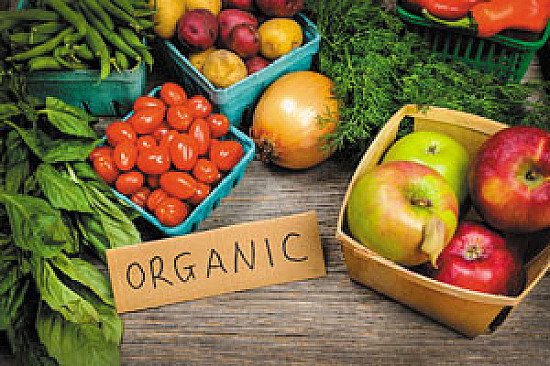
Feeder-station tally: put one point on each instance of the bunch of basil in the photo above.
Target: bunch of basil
(56, 306)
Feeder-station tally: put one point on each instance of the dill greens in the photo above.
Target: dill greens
(378, 65)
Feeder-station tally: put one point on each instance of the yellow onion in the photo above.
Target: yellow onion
(292, 119)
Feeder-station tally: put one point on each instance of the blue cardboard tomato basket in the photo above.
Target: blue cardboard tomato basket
(236, 99)
(224, 187)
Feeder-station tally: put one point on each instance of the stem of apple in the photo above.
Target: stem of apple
(532, 175)
(434, 239)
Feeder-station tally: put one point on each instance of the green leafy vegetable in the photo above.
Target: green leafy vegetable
(56, 308)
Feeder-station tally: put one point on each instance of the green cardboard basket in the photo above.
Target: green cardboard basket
(500, 54)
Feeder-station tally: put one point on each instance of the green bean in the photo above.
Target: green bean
(24, 38)
(60, 54)
(121, 61)
(99, 48)
(112, 37)
(131, 37)
(98, 10)
(141, 5)
(6, 24)
(142, 13)
(125, 5)
(29, 14)
(73, 17)
(119, 13)
(83, 51)
(43, 63)
(42, 48)
(48, 27)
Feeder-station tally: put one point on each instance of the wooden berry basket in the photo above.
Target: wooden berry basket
(469, 312)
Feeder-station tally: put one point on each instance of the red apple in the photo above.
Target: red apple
(509, 179)
(477, 258)
(280, 8)
(403, 210)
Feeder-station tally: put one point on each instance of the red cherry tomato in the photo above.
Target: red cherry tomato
(160, 131)
(140, 196)
(145, 142)
(202, 190)
(219, 125)
(184, 151)
(153, 180)
(146, 119)
(103, 150)
(119, 131)
(179, 117)
(156, 197)
(205, 171)
(148, 101)
(178, 184)
(106, 168)
(125, 155)
(171, 212)
(199, 106)
(200, 131)
(168, 138)
(129, 182)
(154, 160)
(172, 94)
(226, 154)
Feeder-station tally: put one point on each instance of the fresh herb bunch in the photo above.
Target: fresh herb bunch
(56, 306)
(378, 65)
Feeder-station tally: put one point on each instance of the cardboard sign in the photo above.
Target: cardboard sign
(218, 261)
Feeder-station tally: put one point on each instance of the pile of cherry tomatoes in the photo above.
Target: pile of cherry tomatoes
(168, 155)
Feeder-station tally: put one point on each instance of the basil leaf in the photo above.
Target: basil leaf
(118, 228)
(61, 191)
(69, 124)
(59, 296)
(59, 105)
(62, 338)
(36, 226)
(67, 150)
(86, 274)
(93, 235)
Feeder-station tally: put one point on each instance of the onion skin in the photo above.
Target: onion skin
(287, 125)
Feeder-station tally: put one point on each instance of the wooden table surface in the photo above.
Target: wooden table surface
(330, 320)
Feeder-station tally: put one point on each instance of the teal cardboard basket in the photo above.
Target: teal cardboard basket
(114, 96)
(203, 210)
(236, 99)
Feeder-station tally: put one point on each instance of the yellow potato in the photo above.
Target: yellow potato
(279, 36)
(197, 58)
(213, 5)
(167, 16)
(224, 68)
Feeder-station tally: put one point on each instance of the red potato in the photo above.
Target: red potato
(244, 40)
(247, 5)
(255, 64)
(198, 29)
(280, 8)
(229, 18)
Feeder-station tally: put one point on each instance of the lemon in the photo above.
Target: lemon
(224, 68)
(213, 5)
(279, 36)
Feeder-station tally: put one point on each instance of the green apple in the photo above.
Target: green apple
(439, 152)
(404, 211)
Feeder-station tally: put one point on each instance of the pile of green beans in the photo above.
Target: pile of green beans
(107, 35)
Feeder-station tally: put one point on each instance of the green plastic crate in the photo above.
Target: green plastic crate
(502, 55)
(114, 96)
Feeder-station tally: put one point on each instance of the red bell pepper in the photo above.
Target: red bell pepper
(493, 16)
(447, 9)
